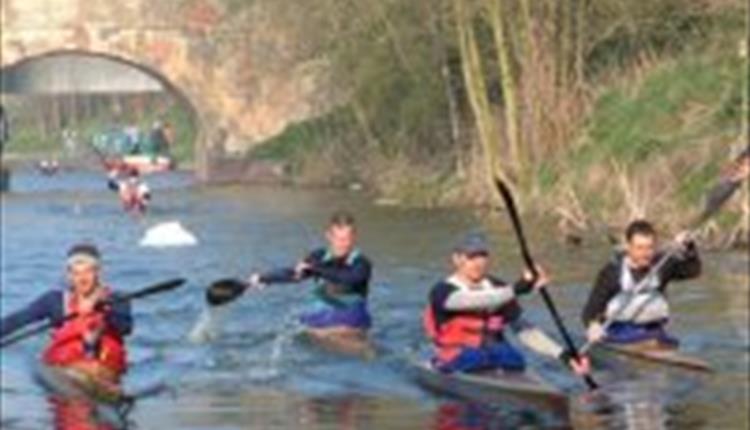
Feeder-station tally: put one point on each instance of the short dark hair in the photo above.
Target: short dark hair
(640, 227)
(341, 219)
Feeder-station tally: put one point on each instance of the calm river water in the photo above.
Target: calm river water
(258, 375)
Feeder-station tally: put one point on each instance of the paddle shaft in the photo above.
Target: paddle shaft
(518, 228)
(154, 289)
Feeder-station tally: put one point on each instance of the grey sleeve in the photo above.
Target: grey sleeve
(461, 300)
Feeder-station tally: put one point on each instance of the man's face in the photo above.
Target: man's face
(641, 249)
(83, 278)
(341, 239)
(472, 267)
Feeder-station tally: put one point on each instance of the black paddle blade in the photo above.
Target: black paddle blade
(516, 221)
(716, 198)
(224, 291)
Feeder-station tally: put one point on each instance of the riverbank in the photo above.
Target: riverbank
(650, 137)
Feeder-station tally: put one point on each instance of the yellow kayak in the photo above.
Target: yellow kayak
(71, 382)
(341, 341)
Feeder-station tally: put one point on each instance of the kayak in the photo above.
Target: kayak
(341, 341)
(79, 400)
(70, 382)
(651, 352)
(518, 389)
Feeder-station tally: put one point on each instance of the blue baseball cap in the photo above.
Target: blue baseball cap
(474, 243)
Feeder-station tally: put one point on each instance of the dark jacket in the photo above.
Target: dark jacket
(348, 275)
(685, 265)
(50, 306)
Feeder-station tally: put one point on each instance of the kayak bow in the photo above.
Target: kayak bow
(518, 389)
(651, 352)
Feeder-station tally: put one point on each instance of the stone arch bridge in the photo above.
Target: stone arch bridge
(245, 68)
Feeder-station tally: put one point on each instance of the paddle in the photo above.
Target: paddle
(717, 196)
(154, 289)
(513, 213)
(225, 291)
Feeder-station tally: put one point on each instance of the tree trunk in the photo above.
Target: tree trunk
(508, 82)
(477, 91)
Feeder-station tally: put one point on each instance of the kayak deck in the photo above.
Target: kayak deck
(355, 344)
(521, 389)
(652, 352)
(69, 382)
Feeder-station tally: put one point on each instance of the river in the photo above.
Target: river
(257, 374)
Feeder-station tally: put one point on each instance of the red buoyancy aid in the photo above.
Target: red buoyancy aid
(465, 330)
(67, 345)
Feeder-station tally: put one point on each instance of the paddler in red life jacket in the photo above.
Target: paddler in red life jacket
(92, 342)
(468, 313)
(638, 306)
(134, 193)
(341, 274)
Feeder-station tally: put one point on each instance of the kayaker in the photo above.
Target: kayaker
(638, 315)
(92, 342)
(341, 274)
(468, 313)
(133, 191)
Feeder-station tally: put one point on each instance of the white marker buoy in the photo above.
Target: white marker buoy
(170, 233)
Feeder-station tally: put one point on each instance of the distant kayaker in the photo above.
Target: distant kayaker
(468, 313)
(92, 342)
(341, 274)
(133, 191)
(637, 306)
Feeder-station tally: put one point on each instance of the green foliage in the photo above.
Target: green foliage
(671, 106)
(305, 139)
(32, 141)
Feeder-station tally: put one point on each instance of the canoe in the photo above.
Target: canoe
(520, 390)
(148, 164)
(651, 352)
(341, 341)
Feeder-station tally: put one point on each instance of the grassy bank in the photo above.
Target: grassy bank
(656, 126)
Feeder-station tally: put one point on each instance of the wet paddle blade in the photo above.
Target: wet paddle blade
(718, 195)
(224, 291)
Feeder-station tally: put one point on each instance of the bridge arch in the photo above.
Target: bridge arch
(165, 84)
(247, 71)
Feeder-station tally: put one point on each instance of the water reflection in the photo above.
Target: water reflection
(75, 413)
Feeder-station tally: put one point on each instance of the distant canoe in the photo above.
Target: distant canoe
(148, 164)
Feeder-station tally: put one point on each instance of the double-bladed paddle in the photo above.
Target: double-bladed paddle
(225, 291)
(719, 194)
(148, 291)
(516, 221)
